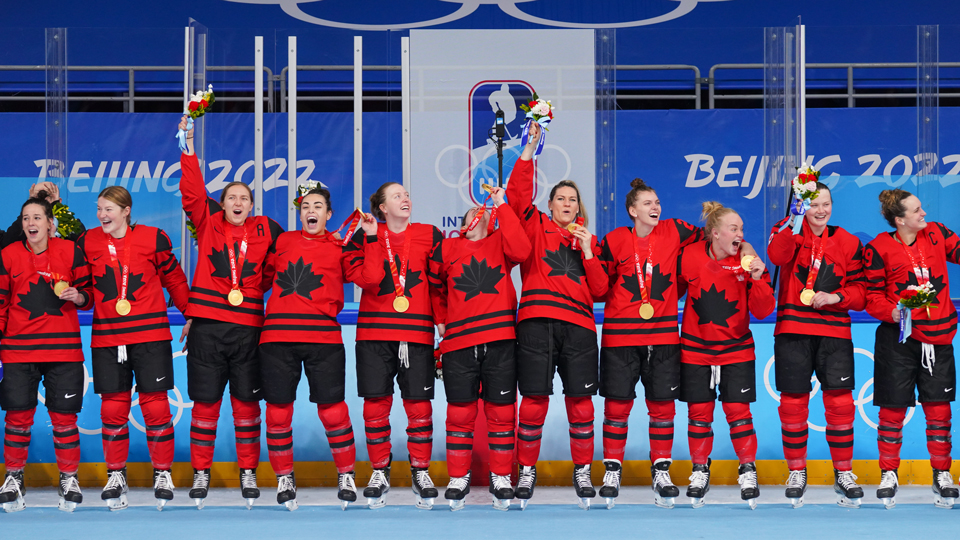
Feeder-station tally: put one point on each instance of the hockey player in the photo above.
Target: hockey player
(822, 279)
(301, 329)
(556, 332)
(479, 346)
(130, 266)
(226, 305)
(391, 262)
(43, 281)
(915, 254)
(717, 350)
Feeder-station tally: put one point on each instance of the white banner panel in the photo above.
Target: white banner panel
(458, 80)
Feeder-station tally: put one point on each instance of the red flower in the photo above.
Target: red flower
(908, 294)
(299, 200)
(550, 115)
(532, 104)
(203, 103)
(193, 105)
(436, 355)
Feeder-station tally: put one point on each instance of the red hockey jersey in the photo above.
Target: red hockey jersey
(365, 263)
(37, 326)
(212, 279)
(307, 290)
(841, 272)
(888, 271)
(716, 320)
(152, 267)
(557, 282)
(622, 324)
(479, 300)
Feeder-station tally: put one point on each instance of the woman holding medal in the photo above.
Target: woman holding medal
(912, 360)
(556, 330)
(716, 345)
(43, 281)
(226, 309)
(393, 262)
(131, 265)
(822, 269)
(301, 334)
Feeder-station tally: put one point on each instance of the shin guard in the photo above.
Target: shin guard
(335, 418)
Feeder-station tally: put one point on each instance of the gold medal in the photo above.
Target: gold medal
(745, 262)
(123, 306)
(60, 287)
(235, 297)
(401, 304)
(646, 312)
(572, 227)
(486, 187)
(806, 296)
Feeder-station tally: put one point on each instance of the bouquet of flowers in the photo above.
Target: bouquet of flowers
(539, 111)
(914, 297)
(303, 189)
(439, 362)
(67, 223)
(197, 107)
(804, 187)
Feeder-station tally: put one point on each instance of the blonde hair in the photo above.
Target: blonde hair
(120, 196)
(712, 213)
(582, 212)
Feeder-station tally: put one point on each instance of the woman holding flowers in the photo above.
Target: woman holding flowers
(908, 291)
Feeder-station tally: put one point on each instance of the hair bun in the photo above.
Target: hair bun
(709, 208)
(638, 183)
(42, 194)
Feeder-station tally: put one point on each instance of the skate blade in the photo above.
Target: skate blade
(664, 502)
(249, 502)
(66, 506)
(797, 502)
(14, 506)
(844, 502)
(199, 503)
(888, 502)
(944, 502)
(376, 502)
(752, 503)
(425, 504)
(697, 502)
(457, 504)
(523, 504)
(501, 504)
(611, 502)
(291, 505)
(584, 503)
(117, 504)
(161, 503)
(344, 505)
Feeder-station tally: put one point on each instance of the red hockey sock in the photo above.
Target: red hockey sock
(280, 437)
(661, 415)
(938, 434)
(533, 412)
(336, 422)
(890, 437)
(461, 422)
(114, 413)
(742, 435)
(376, 424)
(794, 410)
(501, 421)
(616, 412)
(16, 439)
(159, 426)
(699, 432)
(203, 433)
(246, 426)
(580, 416)
(419, 431)
(66, 441)
(840, 413)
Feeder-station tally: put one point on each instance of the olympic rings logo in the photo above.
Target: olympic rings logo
(861, 398)
(176, 402)
(467, 7)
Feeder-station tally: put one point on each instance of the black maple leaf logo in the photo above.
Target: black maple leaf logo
(477, 278)
(827, 280)
(713, 307)
(565, 262)
(936, 281)
(107, 284)
(221, 263)
(299, 278)
(659, 283)
(40, 300)
(386, 284)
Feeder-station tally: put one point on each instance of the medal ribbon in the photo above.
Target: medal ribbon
(816, 259)
(231, 252)
(479, 216)
(123, 268)
(399, 278)
(921, 270)
(643, 277)
(45, 272)
(351, 220)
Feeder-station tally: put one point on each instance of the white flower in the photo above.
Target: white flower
(542, 108)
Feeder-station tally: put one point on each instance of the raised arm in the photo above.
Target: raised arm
(196, 202)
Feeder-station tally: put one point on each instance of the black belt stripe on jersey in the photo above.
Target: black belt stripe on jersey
(299, 328)
(301, 316)
(548, 292)
(746, 337)
(672, 329)
(715, 352)
(226, 307)
(485, 316)
(948, 330)
(951, 317)
(129, 318)
(381, 326)
(629, 320)
(210, 292)
(474, 330)
(143, 328)
(807, 309)
(548, 303)
(47, 335)
(40, 347)
(394, 315)
(812, 320)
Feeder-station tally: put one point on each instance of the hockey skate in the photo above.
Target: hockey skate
(796, 487)
(457, 491)
(887, 492)
(502, 491)
(201, 484)
(944, 490)
(699, 484)
(248, 486)
(611, 482)
(69, 490)
(162, 488)
(115, 492)
(12, 492)
(526, 485)
(422, 486)
(378, 486)
(749, 489)
(583, 484)
(347, 488)
(848, 492)
(287, 491)
(665, 493)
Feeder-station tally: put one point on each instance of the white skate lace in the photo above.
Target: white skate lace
(404, 354)
(888, 480)
(201, 480)
(582, 476)
(847, 480)
(248, 480)
(748, 480)
(660, 479)
(500, 482)
(424, 480)
(116, 481)
(714, 376)
(163, 481)
(69, 483)
(378, 479)
(347, 482)
(698, 479)
(285, 483)
(927, 357)
(11, 484)
(612, 478)
(945, 480)
(528, 476)
(459, 483)
(797, 479)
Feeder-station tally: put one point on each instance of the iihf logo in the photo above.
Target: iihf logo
(486, 98)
